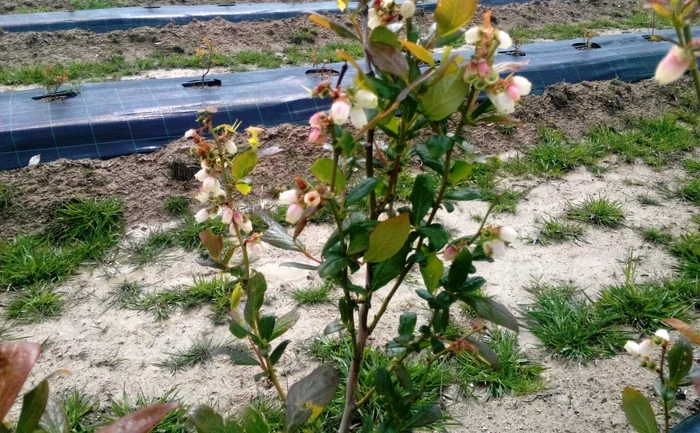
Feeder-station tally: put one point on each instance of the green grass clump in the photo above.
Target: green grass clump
(153, 247)
(553, 156)
(317, 294)
(7, 197)
(29, 260)
(201, 351)
(187, 233)
(648, 200)
(79, 407)
(177, 206)
(304, 35)
(272, 412)
(597, 210)
(692, 166)
(127, 295)
(687, 249)
(95, 224)
(559, 230)
(690, 191)
(656, 235)
(35, 305)
(517, 374)
(176, 421)
(484, 178)
(96, 4)
(571, 327)
(338, 352)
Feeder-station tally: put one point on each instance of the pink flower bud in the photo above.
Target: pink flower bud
(316, 136)
(645, 348)
(483, 68)
(294, 213)
(255, 251)
(227, 215)
(247, 226)
(289, 197)
(495, 249)
(513, 92)
(507, 234)
(201, 175)
(202, 197)
(315, 120)
(365, 99)
(312, 198)
(523, 84)
(239, 218)
(358, 118)
(340, 112)
(673, 66)
(201, 216)
(450, 253)
(211, 184)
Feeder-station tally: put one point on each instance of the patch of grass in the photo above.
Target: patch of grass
(304, 35)
(656, 235)
(338, 352)
(692, 166)
(127, 295)
(149, 250)
(177, 421)
(35, 305)
(570, 326)
(201, 351)
(177, 206)
(504, 200)
(78, 407)
(317, 294)
(597, 210)
(553, 156)
(483, 178)
(690, 191)
(687, 249)
(7, 197)
(95, 224)
(271, 411)
(96, 4)
(517, 374)
(29, 260)
(187, 233)
(648, 200)
(695, 219)
(559, 230)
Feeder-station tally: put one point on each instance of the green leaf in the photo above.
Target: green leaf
(54, 419)
(407, 324)
(432, 272)
(459, 271)
(385, 387)
(338, 28)
(333, 327)
(237, 329)
(638, 411)
(361, 190)
(297, 265)
(438, 145)
(388, 58)
(436, 234)
(323, 170)
(382, 35)
(493, 311)
(276, 235)
(16, 361)
(419, 52)
(436, 345)
(388, 238)
(252, 421)
(460, 170)
(680, 361)
(451, 15)
(33, 406)
(266, 324)
(284, 323)
(463, 194)
(241, 357)
(333, 266)
(141, 421)
(307, 398)
(484, 353)
(206, 420)
(243, 164)
(445, 96)
(422, 197)
(256, 288)
(426, 415)
(279, 350)
(387, 270)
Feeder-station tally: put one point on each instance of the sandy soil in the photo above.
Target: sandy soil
(24, 49)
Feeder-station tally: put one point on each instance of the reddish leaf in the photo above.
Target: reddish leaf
(16, 361)
(213, 243)
(691, 333)
(141, 421)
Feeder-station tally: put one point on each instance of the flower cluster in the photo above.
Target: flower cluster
(483, 75)
(302, 198)
(493, 240)
(388, 13)
(346, 106)
(646, 348)
(675, 63)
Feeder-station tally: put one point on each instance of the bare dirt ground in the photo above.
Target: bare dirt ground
(32, 48)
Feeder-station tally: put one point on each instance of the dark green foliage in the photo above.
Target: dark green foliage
(692, 166)
(597, 210)
(571, 326)
(517, 374)
(7, 197)
(30, 260)
(687, 249)
(36, 304)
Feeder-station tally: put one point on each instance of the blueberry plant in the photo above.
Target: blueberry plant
(401, 105)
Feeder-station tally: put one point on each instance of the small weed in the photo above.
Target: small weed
(695, 219)
(559, 230)
(477, 218)
(35, 305)
(553, 156)
(126, 296)
(656, 235)
(200, 352)
(648, 200)
(690, 191)
(7, 197)
(570, 326)
(597, 210)
(152, 248)
(507, 129)
(518, 165)
(505, 200)
(304, 35)
(177, 206)
(632, 182)
(516, 375)
(78, 406)
(271, 411)
(692, 166)
(95, 4)
(318, 294)
(687, 249)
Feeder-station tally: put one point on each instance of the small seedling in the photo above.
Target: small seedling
(200, 352)
(690, 191)
(599, 211)
(126, 296)
(318, 294)
(304, 35)
(177, 206)
(35, 305)
(648, 200)
(205, 55)
(656, 235)
(78, 406)
(53, 77)
(559, 230)
(588, 36)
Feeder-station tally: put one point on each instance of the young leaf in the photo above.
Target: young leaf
(33, 406)
(451, 15)
(213, 243)
(688, 331)
(407, 324)
(387, 270)
(141, 421)
(437, 146)
(323, 170)
(460, 269)
(385, 387)
(389, 59)
(638, 411)
(300, 266)
(340, 29)
(421, 53)
(256, 288)
(206, 420)
(54, 419)
(243, 164)
(388, 238)
(445, 96)
(16, 361)
(422, 197)
(266, 324)
(459, 171)
(333, 266)
(463, 194)
(252, 421)
(333, 327)
(307, 398)
(432, 272)
(484, 353)
(279, 351)
(284, 323)
(493, 311)
(361, 190)
(382, 35)
(680, 360)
